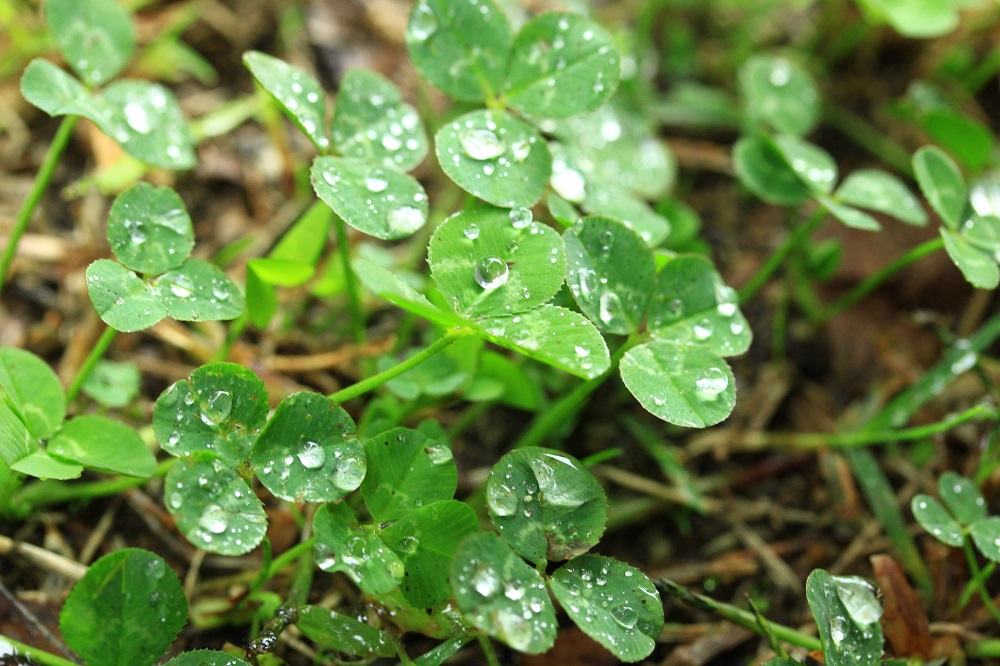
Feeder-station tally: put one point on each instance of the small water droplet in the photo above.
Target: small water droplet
(711, 381)
(610, 307)
(624, 615)
(838, 629)
(481, 144)
(513, 592)
(491, 272)
(119, 301)
(217, 408)
(137, 118)
(409, 544)
(438, 453)
(423, 22)
(471, 231)
(521, 149)
(520, 217)
(501, 499)
(311, 455)
(485, 583)
(155, 568)
(703, 329)
(213, 519)
(376, 181)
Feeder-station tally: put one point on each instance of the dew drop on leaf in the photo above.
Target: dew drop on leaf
(349, 474)
(520, 217)
(491, 272)
(471, 231)
(502, 500)
(838, 630)
(521, 149)
(409, 544)
(405, 219)
(711, 381)
(311, 455)
(438, 453)
(376, 182)
(485, 583)
(610, 307)
(481, 144)
(703, 329)
(217, 408)
(137, 118)
(423, 22)
(858, 597)
(155, 569)
(624, 615)
(568, 183)
(213, 519)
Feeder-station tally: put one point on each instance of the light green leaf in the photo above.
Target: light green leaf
(546, 504)
(560, 65)
(985, 534)
(518, 389)
(916, 18)
(406, 470)
(460, 47)
(487, 261)
(979, 268)
(299, 94)
(337, 631)
(848, 215)
(125, 611)
(392, 288)
(846, 642)
(692, 305)
(214, 507)
(610, 272)
(494, 156)
(613, 603)
(103, 445)
(554, 335)
(380, 202)
(58, 94)
(813, 165)
(113, 384)
(970, 141)
(206, 658)
(281, 272)
(307, 452)
(763, 170)
(40, 464)
(221, 408)
(425, 539)
(633, 212)
(33, 389)
(934, 518)
(962, 497)
(95, 37)
(942, 183)
(779, 93)
(373, 122)
(199, 291)
(121, 298)
(983, 231)
(880, 191)
(343, 545)
(563, 211)
(502, 595)
(16, 443)
(149, 229)
(687, 386)
(147, 121)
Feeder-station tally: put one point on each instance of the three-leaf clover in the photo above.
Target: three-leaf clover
(962, 514)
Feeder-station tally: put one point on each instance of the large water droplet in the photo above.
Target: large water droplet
(485, 582)
(501, 498)
(471, 231)
(136, 232)
(838, 629)
(984, 195)
(520, 150)
(610, 307)
(409, 544)
(858, 597)
(311, 455)
(624, 615)
(513, 592)
(556, 483)
(349, 473)
(137, 118)
(213, 519)
(375, 181)
(711, 381)
(520, 217)
(781, 73)
(217, 408)
(406, 219)
(423, 22)
(481, 144)
(438, 453)
(568, 183)
(703, 329)
(155, 569)
(491, 272)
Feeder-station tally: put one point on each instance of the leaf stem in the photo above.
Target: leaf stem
(35, 654)
(488, 651)
(373, 382)
(795, 239)
(89, 363)
(970, 557)
(350, 281)
(38, 187)
(47, 493)
(872, 282)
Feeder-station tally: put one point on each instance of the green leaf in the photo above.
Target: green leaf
(610, 272)
(373, 122)
(487, 261)
(460, 47)
(683, 385)
(213, 506)
(121, 298)
(199, 291)
(282, 272)
(763, 170)
(519, 389)
(559, 337)
(206, 658)
(613, 603)
(58, 94)
(962, 497)
(307, 452)
(846, 642)
(633, 212)
(813, 165)
(126, 610)
(149, 229)
(984, 233)
(16, 443)
(95, 37)
(979, 268)
(934, 518)
(849, 216)
(436, 377)
(563, 211)
(916, 18)
(780, 93)
(299, 94)
(970, 141)
(502, 595)
(882, 192)
(692, 305)
(40, 464)
(380, 202)
(985, 534)
(546, 504)
(103, 445)
(147, 121)
(221, 408)
(560, 65)
(33, 389)
(859, 598)
(343, 545)
(494, 156)
(113, 384)
(407, 470)
(942, 183)
(343, 633)
(425, 539)
(392, 288)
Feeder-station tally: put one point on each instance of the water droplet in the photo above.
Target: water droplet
(485, 583)
(513, 592)
(471, 231)
(423, 22)
(389, 142)
(481, 144)
(521, 149)
(136, 232)
(409, 544)
(375, 181)
(349, 473)
(781, 73)
(556, 482)
(858, 597)
(838, 629)
(213, 519)
(438, 453)
(176, 499)
(137, 118)
(711, 381)
(501, 499)
(624, 615)
(610, 307)
(568, 183)
(520, 217)
(491, 272)
(155, 568)
(582, 352)
(119, 301)
(217, 408)
(703, 329)
(406, 219)
(311, 455)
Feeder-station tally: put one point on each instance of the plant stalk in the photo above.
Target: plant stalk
(350, 281)
(89, 363)
(42, 180)
(35, 654)
(794, 240)
(47, 493)
(977, 576)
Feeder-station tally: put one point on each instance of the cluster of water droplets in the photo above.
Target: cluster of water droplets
(404, 216)
(488, 150)
(591, 601)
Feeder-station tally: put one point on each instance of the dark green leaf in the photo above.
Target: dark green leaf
(880, 191)
(121, 298)
(392, 288)
(33, 389)
(942, 184)
(934, 518)
(962, 497)
(146, 120)
(343, 545)
(58, 94)
(846, 642)
(763, 170)
(780, 93)
(986, 535)
(340, 632)
(103, 445)
(299, 94)
(199, 291)
(979, 268)
(149, 229)
(407, 470)
(94, 36)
